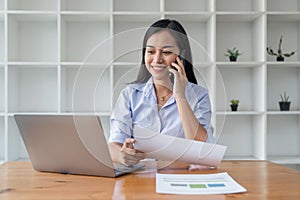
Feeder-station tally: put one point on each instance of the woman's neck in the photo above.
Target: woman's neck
(163, 85)
(162, 88)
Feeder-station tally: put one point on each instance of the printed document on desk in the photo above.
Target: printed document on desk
(220, 183)
(169, 148)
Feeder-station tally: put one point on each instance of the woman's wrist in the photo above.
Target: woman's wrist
(180, 97)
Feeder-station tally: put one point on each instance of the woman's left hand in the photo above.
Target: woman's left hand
(180, 79)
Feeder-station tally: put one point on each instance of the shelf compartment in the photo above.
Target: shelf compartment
(122, 75)
(245, 33)
(190, 5)
(239, 6)
(2, 138)
(283, 138)
(32, 89)
(128, 37)
(288, 26)
(43, 5)
(16, 148)
(247, 130)
(1, 5)
(80, 34)
(198, 28)
(32, 37)
(85, 88)
(125, 22)
(280, 80)
(284, 6)
(2, 90)
(88, 5)
(137, 6)
(2, 39)
(203, 75)
(240, 80)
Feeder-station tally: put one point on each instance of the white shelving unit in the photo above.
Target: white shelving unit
(66, 56)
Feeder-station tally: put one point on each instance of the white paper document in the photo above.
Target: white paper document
(169, 148)
(220, 183)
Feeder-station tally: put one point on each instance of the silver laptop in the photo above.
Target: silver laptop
(69, 144)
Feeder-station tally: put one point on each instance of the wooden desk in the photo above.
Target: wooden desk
(262, 179)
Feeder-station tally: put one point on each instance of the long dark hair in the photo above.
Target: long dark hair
(178, 32)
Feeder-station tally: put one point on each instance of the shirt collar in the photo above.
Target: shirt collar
(147, 88)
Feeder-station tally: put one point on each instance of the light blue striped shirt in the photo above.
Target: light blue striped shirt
(137, 105)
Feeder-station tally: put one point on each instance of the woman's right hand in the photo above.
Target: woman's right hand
(125, 153)
(129, 155)
(180, 79)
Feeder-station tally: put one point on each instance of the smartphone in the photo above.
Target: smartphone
(171, 74)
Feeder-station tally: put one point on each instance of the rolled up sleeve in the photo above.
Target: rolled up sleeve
(121, 120)
(202, 111)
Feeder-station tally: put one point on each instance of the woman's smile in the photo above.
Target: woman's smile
(159, 68)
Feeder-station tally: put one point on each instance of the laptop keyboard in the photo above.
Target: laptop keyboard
(121, 169)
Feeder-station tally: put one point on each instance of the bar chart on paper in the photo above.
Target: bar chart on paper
(220, 183)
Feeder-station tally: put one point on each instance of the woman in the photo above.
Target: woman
(180, 109)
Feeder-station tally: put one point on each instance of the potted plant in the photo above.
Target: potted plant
(284, 104)
(233, 54)
(279, 55)
(234, 104)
